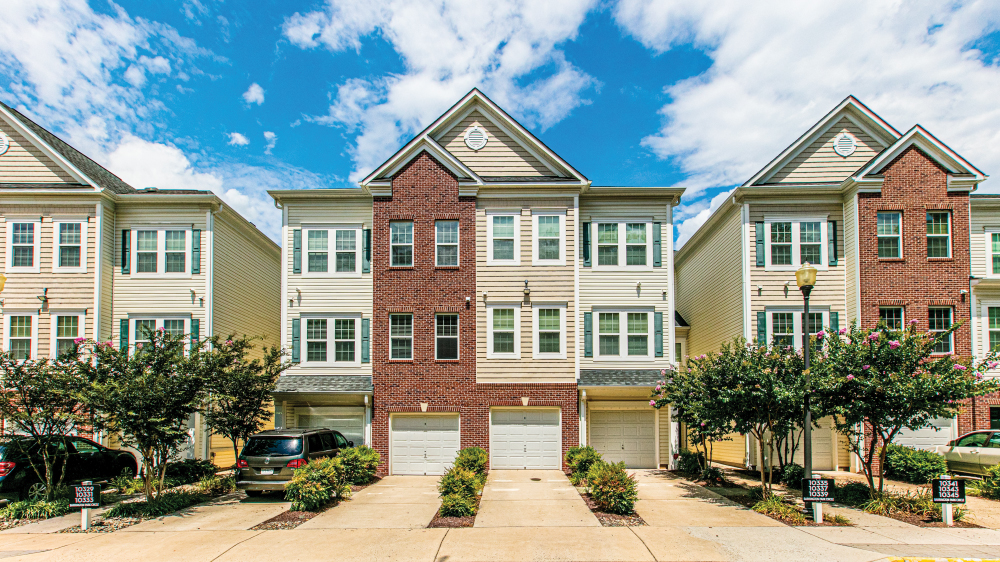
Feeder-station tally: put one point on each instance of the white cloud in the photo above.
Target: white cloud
(508, 48)
(254, 94)
(142, 163)
(271, 139)
(690, 216)
(237, 139)
(780, 66)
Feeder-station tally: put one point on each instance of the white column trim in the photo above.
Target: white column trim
(671, 336)
(98, 269)
(577, 314)
(746, 271)
(284, 277)
(209, 274)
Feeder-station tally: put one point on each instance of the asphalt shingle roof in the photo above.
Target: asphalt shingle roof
(620, 377)
(323, 383)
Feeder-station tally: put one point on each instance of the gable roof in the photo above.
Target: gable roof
(77, 164)
(427, 140)
(962, 174)
(852, 109)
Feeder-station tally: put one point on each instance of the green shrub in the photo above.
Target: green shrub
(690, 462)
(792, 475)
(168, 502)
(126, 483)
(913, 465)
(459, 481)
(475, 459)
(188, 471)
(580, 461)
(457, 505)
(612, 488)
(317, 484)
(34, 509)
(852, 493)
(775, 506)
(360, 464)
(989, 486)
(713, 476)
(217, 485)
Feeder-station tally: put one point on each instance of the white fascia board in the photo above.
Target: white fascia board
(423, 143)
(919, 137)
(47, 149)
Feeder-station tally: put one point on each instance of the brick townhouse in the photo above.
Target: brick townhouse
(477, 290)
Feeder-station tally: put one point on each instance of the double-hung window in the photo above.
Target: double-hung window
(446, 233)
(624, 335)
(891, 316)
(332, 341)
(23, 243)
(505, 331)
(400, 336)
(938, 234)
(316, 340)
(993, 317)
(21, 335)
(446, 336)
(143, 328)
(624, 244)
(939, 320)
(789, 243)
(344, 340)
(175, 251)
(71, 247)
(162, 251)
(401, 244)
(318, 250)
(783, 328)
(550, 328)
(347, 250)
(143, 331)
(341, 242)
(66, 328)
(503, 237)
(890, 235)
(549, 238)
(993, 253)
(786, 326)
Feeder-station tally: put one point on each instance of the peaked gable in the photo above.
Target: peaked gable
(23, 162)
(502, 156)
(962, 175)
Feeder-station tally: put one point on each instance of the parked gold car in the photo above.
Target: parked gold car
(972, 453)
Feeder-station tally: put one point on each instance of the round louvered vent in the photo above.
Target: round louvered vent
(845, 144)
(475, 138)
(4, 143)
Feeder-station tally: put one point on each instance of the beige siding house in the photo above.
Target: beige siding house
(984, 251)
(88, 256)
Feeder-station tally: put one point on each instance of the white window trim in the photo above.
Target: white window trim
(517, 238)
(53, 317)
(412, 244)
(623, 334)
(457, 244)
(132, 340)
(951, 337)
(84, 233)
(490, 354)
(621, 246)
(535, 260)
(898, 236)
(902, 316)
(34, 328)
(411, 336)
(796, 322)
(331, 342)
(37, 260)
(458, 337)
(161, 252)
(562, 331)
(331, 250)
(951, 223)
(984, 345)
(988, 235)
(796, 242)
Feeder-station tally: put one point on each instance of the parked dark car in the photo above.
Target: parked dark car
(269, 458)
(87, 461)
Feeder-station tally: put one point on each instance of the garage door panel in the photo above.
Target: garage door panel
(522, 439)
(938, 432)
(423, 444)
(624, 436)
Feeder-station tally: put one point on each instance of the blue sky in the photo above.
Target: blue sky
(241, 97)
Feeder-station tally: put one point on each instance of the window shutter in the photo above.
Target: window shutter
(195, 332)
(835, 321)
(658, 333)
(760, 243)
(126, 251)
(366, 260)
(296, 326)
(296, 251)
(364, 339)
(586, 244)
(832, 227)
(123, 333)
(761, 328)
(588, 334)
(657, 252)
(195, 254)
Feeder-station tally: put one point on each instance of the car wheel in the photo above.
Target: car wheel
(254, 493)
(35, 491)
(127, 469)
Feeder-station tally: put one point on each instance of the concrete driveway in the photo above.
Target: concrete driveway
(532, 498)
(232, 512)
(395, 502)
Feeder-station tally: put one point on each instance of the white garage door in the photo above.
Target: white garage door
(822, 447)
(352, 426)
(623, 435)
(525, 439)
(939, 432)
(423, 444)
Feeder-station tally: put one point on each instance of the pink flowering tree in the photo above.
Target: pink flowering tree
(878, 381)
(687, 392)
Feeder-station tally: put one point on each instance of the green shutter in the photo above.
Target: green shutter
(586, 244)
(195, 252)
(588, 334)
(123, 333)
(365, 322)
(832, 227)
(366, 260)
(759, 226)
(126, 239)
(296, 327)
(835, 321)
(195, 332)
(657, 252)
(296, 251)
(761, 328)
(658, 333)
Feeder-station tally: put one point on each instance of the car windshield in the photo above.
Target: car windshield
(273, 447)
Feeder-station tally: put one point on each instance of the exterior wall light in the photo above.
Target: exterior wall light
(527, 291)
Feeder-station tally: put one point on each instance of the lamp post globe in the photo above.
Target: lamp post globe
(805, 277)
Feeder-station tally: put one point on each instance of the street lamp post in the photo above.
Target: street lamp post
(805, 277)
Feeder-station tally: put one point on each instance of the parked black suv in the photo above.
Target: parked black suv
(87, 461)
(270, 458)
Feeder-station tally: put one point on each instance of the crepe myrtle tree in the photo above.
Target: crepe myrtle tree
(878, 381)
(42, 401)
(686, 392)
(239, 389)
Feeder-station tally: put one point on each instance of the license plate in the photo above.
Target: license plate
(266, 471)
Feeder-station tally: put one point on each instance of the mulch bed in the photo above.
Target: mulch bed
(454, 522)
(611, 519)
(926, 521)
(747, 501)
(12, 523)
(292, 519)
